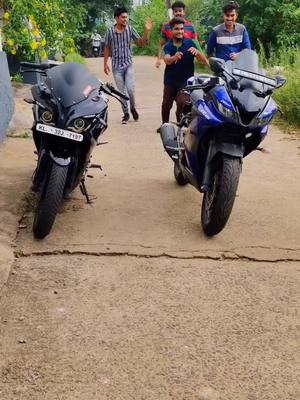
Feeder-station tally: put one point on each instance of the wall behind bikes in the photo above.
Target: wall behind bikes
(6, 96)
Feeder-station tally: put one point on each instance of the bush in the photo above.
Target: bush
(33, 28)
(288, 96)
(156, 10)
(273, 22)
(285, 61)
(75, 57)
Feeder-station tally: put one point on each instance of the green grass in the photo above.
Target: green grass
(75, 57)
(286, 62)
(17, 78)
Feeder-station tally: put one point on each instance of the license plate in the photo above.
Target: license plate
(52, 130)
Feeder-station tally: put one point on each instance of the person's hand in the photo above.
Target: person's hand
(178, 56)
(194, 51)
(148, 24)
(233, 56)
(158, 62)
(106, 69)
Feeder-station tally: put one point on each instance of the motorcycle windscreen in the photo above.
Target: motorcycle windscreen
(245, 98)
(247, 61)
(71, 83)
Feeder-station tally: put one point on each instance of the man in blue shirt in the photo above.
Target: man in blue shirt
(228, 39)
(179, 55)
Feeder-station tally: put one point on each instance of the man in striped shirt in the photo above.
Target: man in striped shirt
(166, 34)
(230, 38)
(118, 45)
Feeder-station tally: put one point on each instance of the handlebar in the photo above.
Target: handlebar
(27, 67)
(108, 88)
(35, 65)
(194, 87)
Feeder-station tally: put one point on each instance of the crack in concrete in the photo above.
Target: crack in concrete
(224, 256)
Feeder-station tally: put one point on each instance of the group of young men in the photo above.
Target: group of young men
(178, 48)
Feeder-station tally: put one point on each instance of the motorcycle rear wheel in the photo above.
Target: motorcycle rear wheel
(49, 201)
(217, 204)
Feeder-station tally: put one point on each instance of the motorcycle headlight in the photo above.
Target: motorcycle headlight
(47, 117)
(227, 112)
(79, 125)
(262, 122)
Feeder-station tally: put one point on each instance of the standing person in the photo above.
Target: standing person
(227, 40)
(178, 9)
(96, 43)
(118, 44)
(179, 54)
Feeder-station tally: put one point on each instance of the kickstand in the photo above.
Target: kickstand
(96, 166)
(85, 192)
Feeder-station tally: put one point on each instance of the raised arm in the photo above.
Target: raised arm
(142, 41)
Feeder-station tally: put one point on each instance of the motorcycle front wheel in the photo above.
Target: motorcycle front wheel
(49, 201)
(218, 202)
(178, 175)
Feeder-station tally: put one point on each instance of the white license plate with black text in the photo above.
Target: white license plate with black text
(52, 130)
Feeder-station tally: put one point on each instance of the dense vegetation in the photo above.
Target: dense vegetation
(36, 28)
(274, 28)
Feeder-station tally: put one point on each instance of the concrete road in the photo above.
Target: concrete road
(127, 299)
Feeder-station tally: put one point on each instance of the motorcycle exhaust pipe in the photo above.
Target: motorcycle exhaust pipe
(168, 134)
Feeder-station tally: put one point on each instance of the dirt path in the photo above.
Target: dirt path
(127, 299)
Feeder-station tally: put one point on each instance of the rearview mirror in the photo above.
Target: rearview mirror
(217, 65)
(280, 80)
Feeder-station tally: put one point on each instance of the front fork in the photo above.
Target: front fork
(215, 148)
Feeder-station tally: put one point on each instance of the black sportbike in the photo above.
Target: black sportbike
(70, 113)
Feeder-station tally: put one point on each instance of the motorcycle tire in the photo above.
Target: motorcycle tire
(178, 175)
(217, 204)
(49, 201)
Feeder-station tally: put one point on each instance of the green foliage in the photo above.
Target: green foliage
(17, 78)
(100, 12)
(75, 57)
(273, 26)
(273, 22)
(287, 60)
(156, 10)
(32, 28)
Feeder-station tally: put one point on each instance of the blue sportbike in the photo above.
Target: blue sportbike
(226, 117)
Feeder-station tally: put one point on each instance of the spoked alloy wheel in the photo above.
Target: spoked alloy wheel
(49, 201)
(217, 203)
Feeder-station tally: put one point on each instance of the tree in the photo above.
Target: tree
(272, 22)
(31, 29)
(100, 11)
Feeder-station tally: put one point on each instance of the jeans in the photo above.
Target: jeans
(124, 78)
(172, 93)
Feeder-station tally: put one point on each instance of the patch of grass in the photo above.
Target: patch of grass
(286, 62)
(75, 57)
(17, 78)
(14, 133)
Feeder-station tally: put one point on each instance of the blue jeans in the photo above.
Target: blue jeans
(124, 78)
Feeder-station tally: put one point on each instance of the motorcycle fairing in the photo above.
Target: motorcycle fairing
(69, 83)
(221, 95)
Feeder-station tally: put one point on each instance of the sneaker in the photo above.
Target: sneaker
(125, 118)
(134, 114)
